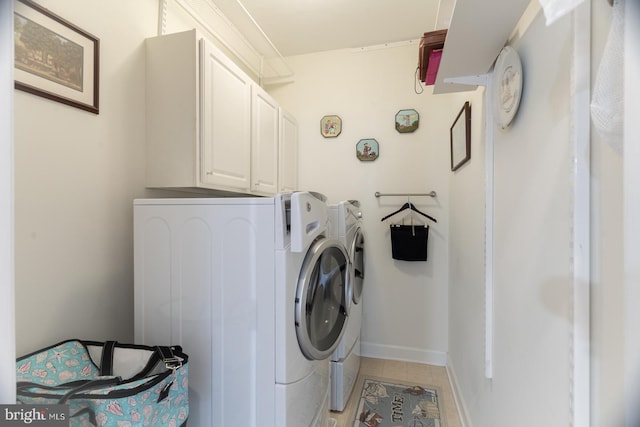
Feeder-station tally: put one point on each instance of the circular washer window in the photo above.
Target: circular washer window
(322, 298)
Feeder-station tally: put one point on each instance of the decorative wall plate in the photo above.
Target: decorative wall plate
(367, 149)
(407, 121)
(507, 86)
(330, 126)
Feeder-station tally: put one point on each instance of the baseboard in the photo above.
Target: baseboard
(405, 354)
(457, 395)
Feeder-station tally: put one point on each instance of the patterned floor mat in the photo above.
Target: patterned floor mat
(390, 404)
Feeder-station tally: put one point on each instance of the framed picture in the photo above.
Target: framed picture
(330, 126)
(367, 150)
(54, 58)
(461, 137)
(407, 121)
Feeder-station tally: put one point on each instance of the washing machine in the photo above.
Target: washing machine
(256, 294)
(345, 220)
(312, 299)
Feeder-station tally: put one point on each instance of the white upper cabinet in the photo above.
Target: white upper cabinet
(288, 153)
(209, 125)
(226, 121)
(264, 143)
(172, 100)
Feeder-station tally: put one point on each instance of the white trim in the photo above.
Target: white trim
(488, 230)
(213, 21)
(405, 354)
(463, 411)
(162, 17)
(390, 45)
(472, 81)
(526, 20)
(486, 80)
(255, 51)
(581, 98)
(7, 269)
(631, 193)
(445, 11)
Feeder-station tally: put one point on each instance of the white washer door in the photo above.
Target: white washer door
(322, 298)
(357, 258)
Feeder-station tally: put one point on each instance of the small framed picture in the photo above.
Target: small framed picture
(407, 121)
(330, 126)
(461, 137)
(367, 149)
(55, 59)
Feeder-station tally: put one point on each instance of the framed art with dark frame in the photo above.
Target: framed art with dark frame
(461, 137)
(55, 59)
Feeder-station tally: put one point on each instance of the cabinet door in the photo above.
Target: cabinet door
(264, 143)
(225, 121)
(288, 153)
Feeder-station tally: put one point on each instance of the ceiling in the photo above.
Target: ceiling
(297, 27)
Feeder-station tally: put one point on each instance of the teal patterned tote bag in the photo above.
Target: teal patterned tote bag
(107, 383)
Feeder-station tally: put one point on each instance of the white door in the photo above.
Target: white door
(288, 153)
(225, 121)
(264, 143)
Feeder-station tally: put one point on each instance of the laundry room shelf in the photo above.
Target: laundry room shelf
(475, 37)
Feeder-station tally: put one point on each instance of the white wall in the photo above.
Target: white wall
(631, 206)
(405, 308)
(467, 262)
(532, 252)
(76, 175)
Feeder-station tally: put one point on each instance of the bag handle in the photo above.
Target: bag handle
(26, 385)
(171, 361)
(88, 386)
(161, 353)
(106, 360)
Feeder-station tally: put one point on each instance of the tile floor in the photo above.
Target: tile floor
(410, 373)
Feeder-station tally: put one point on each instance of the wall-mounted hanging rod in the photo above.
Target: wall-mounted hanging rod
(429, 194)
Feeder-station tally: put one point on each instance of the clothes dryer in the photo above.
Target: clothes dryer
(254, 292)
(346, 225)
